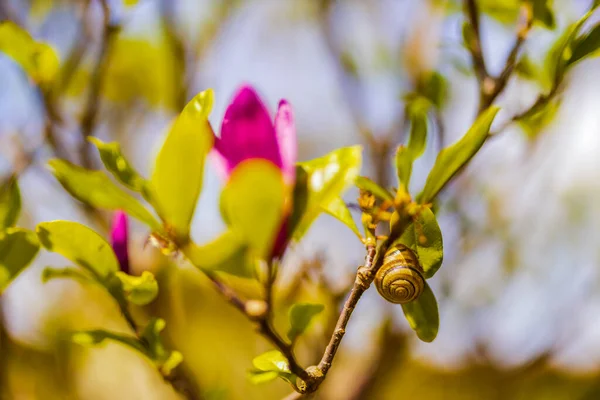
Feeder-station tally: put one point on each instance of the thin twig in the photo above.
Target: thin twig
(526, 22)
(88, 121)
(364, 277)
(474, 46)
(264, 325)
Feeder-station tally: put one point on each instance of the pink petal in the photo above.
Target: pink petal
(247, 131)
(119, 237)
(286, 137)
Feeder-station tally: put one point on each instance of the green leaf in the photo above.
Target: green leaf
(533, 123)
(173, 360)
(451, 159)
(542, 13)
(300, 315)
(79, 244)
(325, 179)
(227, 253)
(560, 55)
(10, 203)
(139, 290)
(422, 315)
(96, 189)
(405, 156)
(271, 361)
(179, 167)
(527, 69)
(424, 236)
(61, 273)
(258, 377)
(38, 59)
(586, 45)
(337, 209)
(434, 87)
(503, 11)
(98, 336)
(117, 164)
(164, 359)
(270, 365)
(18, 247)
(366, 184)
(253, 202)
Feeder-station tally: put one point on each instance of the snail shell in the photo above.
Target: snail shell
(400, 278)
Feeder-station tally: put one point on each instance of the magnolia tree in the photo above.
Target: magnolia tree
(269, 200)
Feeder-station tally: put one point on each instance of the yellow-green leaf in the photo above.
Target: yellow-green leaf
(96, 189)
(405, 156)
(98, 336)
(451, 159)
(300, 316)
(227, 253)
(270, 365)
(139, 290)
(422, 315)
(587, 45)
(542, 13)
(79, 244)
(424, 236)
(61, 273)
(364, 183)
(337, 209)
(38, 59)
(253, 202)
(10, 203)
(117, 164)
(18, 247)
(179, 168)
(323, 180)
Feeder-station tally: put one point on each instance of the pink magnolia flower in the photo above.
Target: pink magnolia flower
(119, 236)
(248, 132)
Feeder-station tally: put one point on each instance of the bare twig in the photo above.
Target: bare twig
(88, 121)
(263, 321)
(364, 277)
(188, 57)
(475, 49)
(501, 81)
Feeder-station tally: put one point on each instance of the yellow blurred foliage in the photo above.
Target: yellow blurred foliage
(38, 59)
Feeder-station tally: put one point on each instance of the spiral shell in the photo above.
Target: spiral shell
(400, 278)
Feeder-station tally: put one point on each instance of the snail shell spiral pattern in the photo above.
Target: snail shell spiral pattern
(400, 278)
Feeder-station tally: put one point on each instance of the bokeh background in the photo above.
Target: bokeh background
(519, 291)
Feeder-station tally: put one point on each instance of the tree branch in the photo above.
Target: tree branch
(526, 22)
(88, 121)
(364, 278)
(475, 49)
(258, 311)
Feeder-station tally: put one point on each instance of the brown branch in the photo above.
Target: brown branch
(256, 313)
(88, 121)
(364, 277)
(501, 81)
(188, 57)
(475, 48)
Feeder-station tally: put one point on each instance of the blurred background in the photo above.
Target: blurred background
(519, 291)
